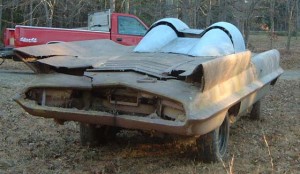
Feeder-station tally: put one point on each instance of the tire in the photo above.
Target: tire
(212, 146)
(95, 135)
(255, 113)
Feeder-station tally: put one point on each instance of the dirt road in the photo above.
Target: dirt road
(35, 145)
(291, 75)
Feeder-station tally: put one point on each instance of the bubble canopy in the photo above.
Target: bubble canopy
(171, 35)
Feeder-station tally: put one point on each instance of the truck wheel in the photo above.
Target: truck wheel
(213, 145)
(255, 113)
(94, 135)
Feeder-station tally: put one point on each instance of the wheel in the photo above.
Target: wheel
(213, 145)
(94, 135)
(255, 113)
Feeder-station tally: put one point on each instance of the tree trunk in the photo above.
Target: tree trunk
(297, 19)
(30, 13)
(49, 11)
(208, 17)
(169, 7)
(222, 10)
(177, 10)
(1, 10)
(46, 13)
(127, 6)
(162, 13)
(185, 13)
(194, 16)
(246, 31)
(272, 8)
(291, 7)
(112, 6)
(12, 15)
(249, 15)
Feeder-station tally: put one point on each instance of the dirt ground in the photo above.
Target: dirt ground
(36, 145)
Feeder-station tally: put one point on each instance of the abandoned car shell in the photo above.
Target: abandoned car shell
(197, 108)
(184, 92)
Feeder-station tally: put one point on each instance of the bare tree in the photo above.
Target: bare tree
(188, 11)
(12, 13)
(127, 5)
(49, 11)
(1, 10)
(272, 10)
(244, 11)
(223, 10)
(112, 5)
(30, 13)
(208, 16)
(291, 4)
(297, 19)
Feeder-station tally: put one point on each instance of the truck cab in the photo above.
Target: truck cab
(122, 28)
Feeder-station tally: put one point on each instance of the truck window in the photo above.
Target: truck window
(130, 26)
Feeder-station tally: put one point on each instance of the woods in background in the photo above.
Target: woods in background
(248, 15)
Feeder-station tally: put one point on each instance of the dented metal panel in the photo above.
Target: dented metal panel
(224, 68)
(62, 80)
(68, 61)
(88, 48)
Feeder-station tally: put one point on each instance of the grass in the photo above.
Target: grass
(263, 42)
(289, 60)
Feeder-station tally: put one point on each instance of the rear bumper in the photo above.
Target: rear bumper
(187, 128)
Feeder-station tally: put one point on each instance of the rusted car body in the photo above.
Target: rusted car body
(69, 57)
(156, 88)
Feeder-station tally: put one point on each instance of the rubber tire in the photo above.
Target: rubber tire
(95, 135)
(212, 146)
(255, 113)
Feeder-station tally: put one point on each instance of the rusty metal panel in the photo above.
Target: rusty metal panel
(166, 88)
(152, 68)
(105, 55)
(69, 61)
(218, 70)
(61, 80)
(88, 48)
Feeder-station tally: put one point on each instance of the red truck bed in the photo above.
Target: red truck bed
(29, 36)
(8, 37)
